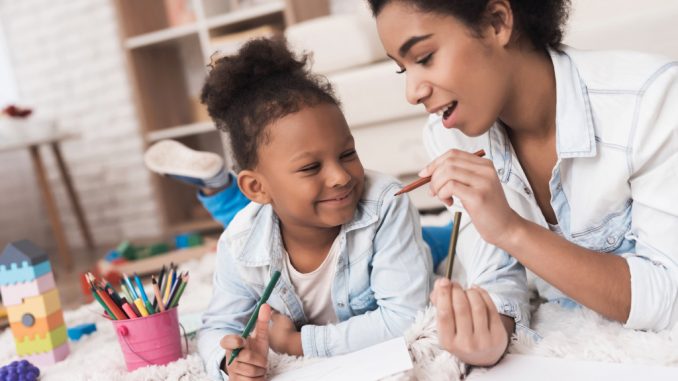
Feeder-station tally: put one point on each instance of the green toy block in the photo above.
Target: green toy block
(127, 251)
(41, 342)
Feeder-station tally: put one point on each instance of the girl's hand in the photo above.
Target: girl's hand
(474, 181)
(252, 361)
(468, 323)
(283, 335)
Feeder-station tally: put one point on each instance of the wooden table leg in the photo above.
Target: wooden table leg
(73, 197)
(52, 211)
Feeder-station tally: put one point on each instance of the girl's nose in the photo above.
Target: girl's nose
(338, 176)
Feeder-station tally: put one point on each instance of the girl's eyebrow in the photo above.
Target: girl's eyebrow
(405, 47)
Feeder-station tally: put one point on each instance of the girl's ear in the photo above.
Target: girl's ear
(252, 185)
(500, 17)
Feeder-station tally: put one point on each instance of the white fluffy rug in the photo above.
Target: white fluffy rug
(579, 333)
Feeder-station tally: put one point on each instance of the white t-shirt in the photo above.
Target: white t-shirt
(315, 288)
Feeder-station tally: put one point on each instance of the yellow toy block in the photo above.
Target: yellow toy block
(38, 306)
(40, 343)
(36, 326)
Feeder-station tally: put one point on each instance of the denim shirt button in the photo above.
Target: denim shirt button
(500, 171)
(527, 191)
(611, 239)
(341, 304)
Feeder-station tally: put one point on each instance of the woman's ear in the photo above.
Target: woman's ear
(500, 21)
(251, 184)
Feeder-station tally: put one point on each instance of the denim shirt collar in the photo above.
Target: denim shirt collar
(263, 246)
(575, 135)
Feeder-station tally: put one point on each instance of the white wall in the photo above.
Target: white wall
(69, 65)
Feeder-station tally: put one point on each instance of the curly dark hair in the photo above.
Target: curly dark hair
(261, 83)
(542, 21)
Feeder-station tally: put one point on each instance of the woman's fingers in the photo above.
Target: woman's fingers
(445, 312)
(478, 312)
(494, 318)
(462, 312)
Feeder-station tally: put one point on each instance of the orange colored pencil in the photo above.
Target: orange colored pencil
(117, 312)
(425, 180)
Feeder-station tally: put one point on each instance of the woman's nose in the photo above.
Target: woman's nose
(416, 90)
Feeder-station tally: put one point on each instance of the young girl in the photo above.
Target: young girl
(355, 268)
(583, 173)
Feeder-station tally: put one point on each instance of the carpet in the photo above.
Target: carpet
(573, 333)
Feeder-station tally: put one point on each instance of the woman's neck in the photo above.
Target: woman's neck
(530, 111)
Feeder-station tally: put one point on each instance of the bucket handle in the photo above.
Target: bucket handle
(123, 331)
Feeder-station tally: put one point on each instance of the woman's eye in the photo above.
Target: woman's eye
(424, 60)
(401, 70)
(348, 154)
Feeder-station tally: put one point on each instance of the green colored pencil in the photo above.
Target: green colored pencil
(182, 286)
(255, 315)
(98, 298)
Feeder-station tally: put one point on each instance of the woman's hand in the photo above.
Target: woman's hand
(283, 335)
(252, 361)
(469, 325)
(474, 181)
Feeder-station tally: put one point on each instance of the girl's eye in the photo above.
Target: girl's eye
(401, 70)
(310, 167)
(425, 59)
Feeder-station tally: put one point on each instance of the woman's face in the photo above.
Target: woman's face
(449, 69)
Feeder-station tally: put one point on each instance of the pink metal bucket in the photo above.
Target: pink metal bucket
(150, 340)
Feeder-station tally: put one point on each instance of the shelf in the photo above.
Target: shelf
(180, 131)
(195, 226)
(160, 36)
(246, 14)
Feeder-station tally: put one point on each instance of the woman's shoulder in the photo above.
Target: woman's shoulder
(618, 70)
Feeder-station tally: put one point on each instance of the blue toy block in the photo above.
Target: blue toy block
(112, 255)
(22, 251)
(22, 272)
(75, 333)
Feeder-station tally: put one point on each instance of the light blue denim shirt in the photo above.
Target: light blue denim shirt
(384, 276)
(615, 183)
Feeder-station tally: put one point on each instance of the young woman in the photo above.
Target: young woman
(582, 149)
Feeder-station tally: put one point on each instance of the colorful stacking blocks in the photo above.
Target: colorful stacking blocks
(32, 301)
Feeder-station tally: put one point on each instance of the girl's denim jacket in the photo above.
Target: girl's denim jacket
(383, 277)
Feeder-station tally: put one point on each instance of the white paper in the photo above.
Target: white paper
(372, 363)
(528, 368)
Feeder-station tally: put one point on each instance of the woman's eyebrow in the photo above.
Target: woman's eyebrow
(404, 48)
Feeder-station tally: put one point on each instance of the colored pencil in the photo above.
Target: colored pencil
(255, 315)
(451, 251)
(156, 291)
(175, 300)
(425, 180)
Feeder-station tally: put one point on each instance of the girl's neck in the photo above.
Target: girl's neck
(530, 111)
(307, 247)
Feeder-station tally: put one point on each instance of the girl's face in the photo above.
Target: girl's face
(449, 69)
(310, 168)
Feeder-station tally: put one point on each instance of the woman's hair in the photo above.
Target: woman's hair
(260, 84)
(542, 21)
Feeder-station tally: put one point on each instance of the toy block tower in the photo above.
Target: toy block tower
(32, 301)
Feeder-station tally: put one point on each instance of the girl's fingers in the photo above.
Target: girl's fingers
(246, 370)
(252, 358)
(232, 342)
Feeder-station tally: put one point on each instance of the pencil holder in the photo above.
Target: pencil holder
(149, 340)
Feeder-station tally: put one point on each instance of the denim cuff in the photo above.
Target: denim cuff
(314, 341)
(213, 365)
